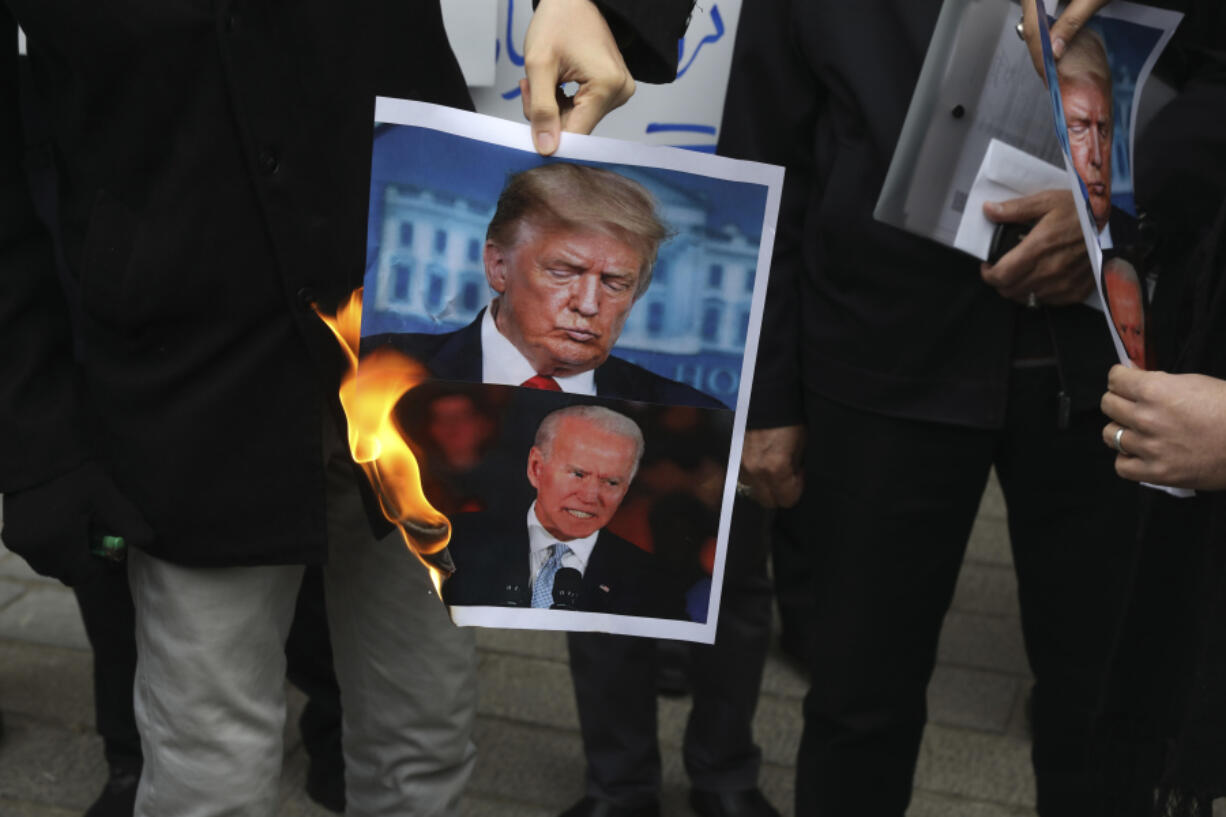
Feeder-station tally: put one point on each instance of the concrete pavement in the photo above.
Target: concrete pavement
(974, 761)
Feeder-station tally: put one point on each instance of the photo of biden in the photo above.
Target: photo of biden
(557, 554)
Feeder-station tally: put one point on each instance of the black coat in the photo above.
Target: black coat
(213, 163)
(858, 311)
(491, 559)
(457, 356)
(1163, 718)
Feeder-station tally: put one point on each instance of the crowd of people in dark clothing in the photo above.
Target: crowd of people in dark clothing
(181, 187)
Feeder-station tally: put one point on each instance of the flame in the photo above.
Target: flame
(369, 394)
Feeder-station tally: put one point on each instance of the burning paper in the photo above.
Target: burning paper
(369, 393)
(588, 323)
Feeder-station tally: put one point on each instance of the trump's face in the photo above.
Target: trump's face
(582, 480)
(1087, 112)
(564, 295)
(1127, 311)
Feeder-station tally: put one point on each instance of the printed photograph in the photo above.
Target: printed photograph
(1097, 82)
(1124, 293)
(460, 229)
(587, 324)
(569, 503)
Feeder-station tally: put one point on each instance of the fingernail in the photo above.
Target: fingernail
(991, 208)
(544, 142)
(1057, 47)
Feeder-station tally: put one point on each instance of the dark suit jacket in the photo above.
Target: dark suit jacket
(213, 162)
(491, 558)
(1125, 231)
(857, 311)
(457, 356)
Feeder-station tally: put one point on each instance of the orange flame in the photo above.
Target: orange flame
(369, 394)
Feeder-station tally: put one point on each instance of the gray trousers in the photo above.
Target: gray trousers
(210, 678)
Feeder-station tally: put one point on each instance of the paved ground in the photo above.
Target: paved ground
(974, 761)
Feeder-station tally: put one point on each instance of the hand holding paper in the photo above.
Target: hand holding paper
(1051, 261)
(569, 41)
(770, 465)
(1062, 31)
(1174, 427)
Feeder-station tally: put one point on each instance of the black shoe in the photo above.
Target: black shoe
(749, 803)
(118, 797)
(591, 807)
(325, 784)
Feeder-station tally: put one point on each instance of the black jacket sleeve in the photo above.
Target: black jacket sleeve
(770, 115)
(41, 433)
(648, 33)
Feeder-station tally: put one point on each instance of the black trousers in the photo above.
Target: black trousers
(897, 499)
(792, 546)
(110, 625)
(615, 687)
(308, 666)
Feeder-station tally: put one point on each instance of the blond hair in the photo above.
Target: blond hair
(572, 196)
(1086, 59)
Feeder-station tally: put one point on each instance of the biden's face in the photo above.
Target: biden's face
(1126, 307)
(581, 481)
(564, 295)
(1087, 112)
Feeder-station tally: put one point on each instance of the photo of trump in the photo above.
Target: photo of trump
(1098, 84)
(557, 552)
(568, 253)
(1086, 93)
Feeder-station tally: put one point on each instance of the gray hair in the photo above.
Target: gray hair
(603, 418)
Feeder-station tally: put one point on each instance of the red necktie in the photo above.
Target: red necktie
(541, 381)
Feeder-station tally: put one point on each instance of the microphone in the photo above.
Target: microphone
(566, 585)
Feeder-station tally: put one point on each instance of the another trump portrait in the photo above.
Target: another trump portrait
(1097, 83)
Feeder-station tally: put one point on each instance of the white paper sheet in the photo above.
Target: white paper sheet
(436, 176)
(472, 31)
(1006, 173)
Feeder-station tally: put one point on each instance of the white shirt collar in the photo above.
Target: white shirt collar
(540, 540)
(503, 364)
(1104, 237)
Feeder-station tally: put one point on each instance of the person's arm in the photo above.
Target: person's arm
(770, 115)
(602, 47)
(54, 496)
(1051, 261)
(648, 33)
(1174, 428)
(40, 427)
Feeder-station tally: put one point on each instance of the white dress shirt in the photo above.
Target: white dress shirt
(503, 364)
(540, 540)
